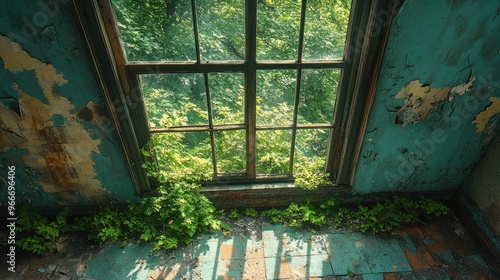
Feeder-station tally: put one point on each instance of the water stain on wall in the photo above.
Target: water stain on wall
(62, 154)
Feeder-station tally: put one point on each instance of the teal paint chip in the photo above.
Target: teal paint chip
(58, 119)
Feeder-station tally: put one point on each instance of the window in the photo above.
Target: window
(240, 91)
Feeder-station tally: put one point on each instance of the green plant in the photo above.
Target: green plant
(235, 214)
(389, 215)
(298, 215)
(173, 217)
(39, 233)
(251, 212)
(379, 218)
(309, 174)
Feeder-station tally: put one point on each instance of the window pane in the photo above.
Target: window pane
(221, 26)
(231, 151)
(181, 154)
(156, 30)
(325, 29)
(318, 91)
(275, 97)
(175, 99)
(310, 150)
(273, 151)
(228, 98)
(278, 25)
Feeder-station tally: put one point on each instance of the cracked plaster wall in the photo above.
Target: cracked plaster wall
(437, 101)
(54, 127)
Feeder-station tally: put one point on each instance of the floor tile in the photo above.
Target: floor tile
(238, 247)
(298, 267)
(280, 241)
(241, 269)
(384, 255)
(346, 254)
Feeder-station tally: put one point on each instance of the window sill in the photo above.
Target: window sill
(267, 195)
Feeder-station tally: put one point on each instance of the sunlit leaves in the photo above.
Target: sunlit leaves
(159, 30)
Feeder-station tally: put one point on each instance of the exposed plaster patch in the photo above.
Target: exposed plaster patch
(482, 119)
(463, 88)
(62, 153)
(421, 99)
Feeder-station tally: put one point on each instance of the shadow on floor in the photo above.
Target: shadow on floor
(440, 249)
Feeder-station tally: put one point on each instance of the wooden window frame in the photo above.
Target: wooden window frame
(367, 35)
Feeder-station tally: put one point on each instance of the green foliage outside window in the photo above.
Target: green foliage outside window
(162, 30)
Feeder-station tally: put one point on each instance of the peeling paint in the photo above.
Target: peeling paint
(463, 88)
(93, 113)
(419, 101)
(63, 154)
(482, 119)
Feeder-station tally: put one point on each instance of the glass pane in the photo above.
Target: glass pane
(318, 91)
(221, 27)
(228, 98)
(184, 154)
(231, 151)
(175, 99)
(273, 151)
(156, 30)
(278, 25)
(325, 29)
(275, 97)
(310, 150)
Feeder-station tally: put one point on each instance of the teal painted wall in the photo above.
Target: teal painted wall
(64, 146)
(66, 150)
(441, 44)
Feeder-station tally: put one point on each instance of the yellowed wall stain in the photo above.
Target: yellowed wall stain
(484, 117)
(61, 154)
